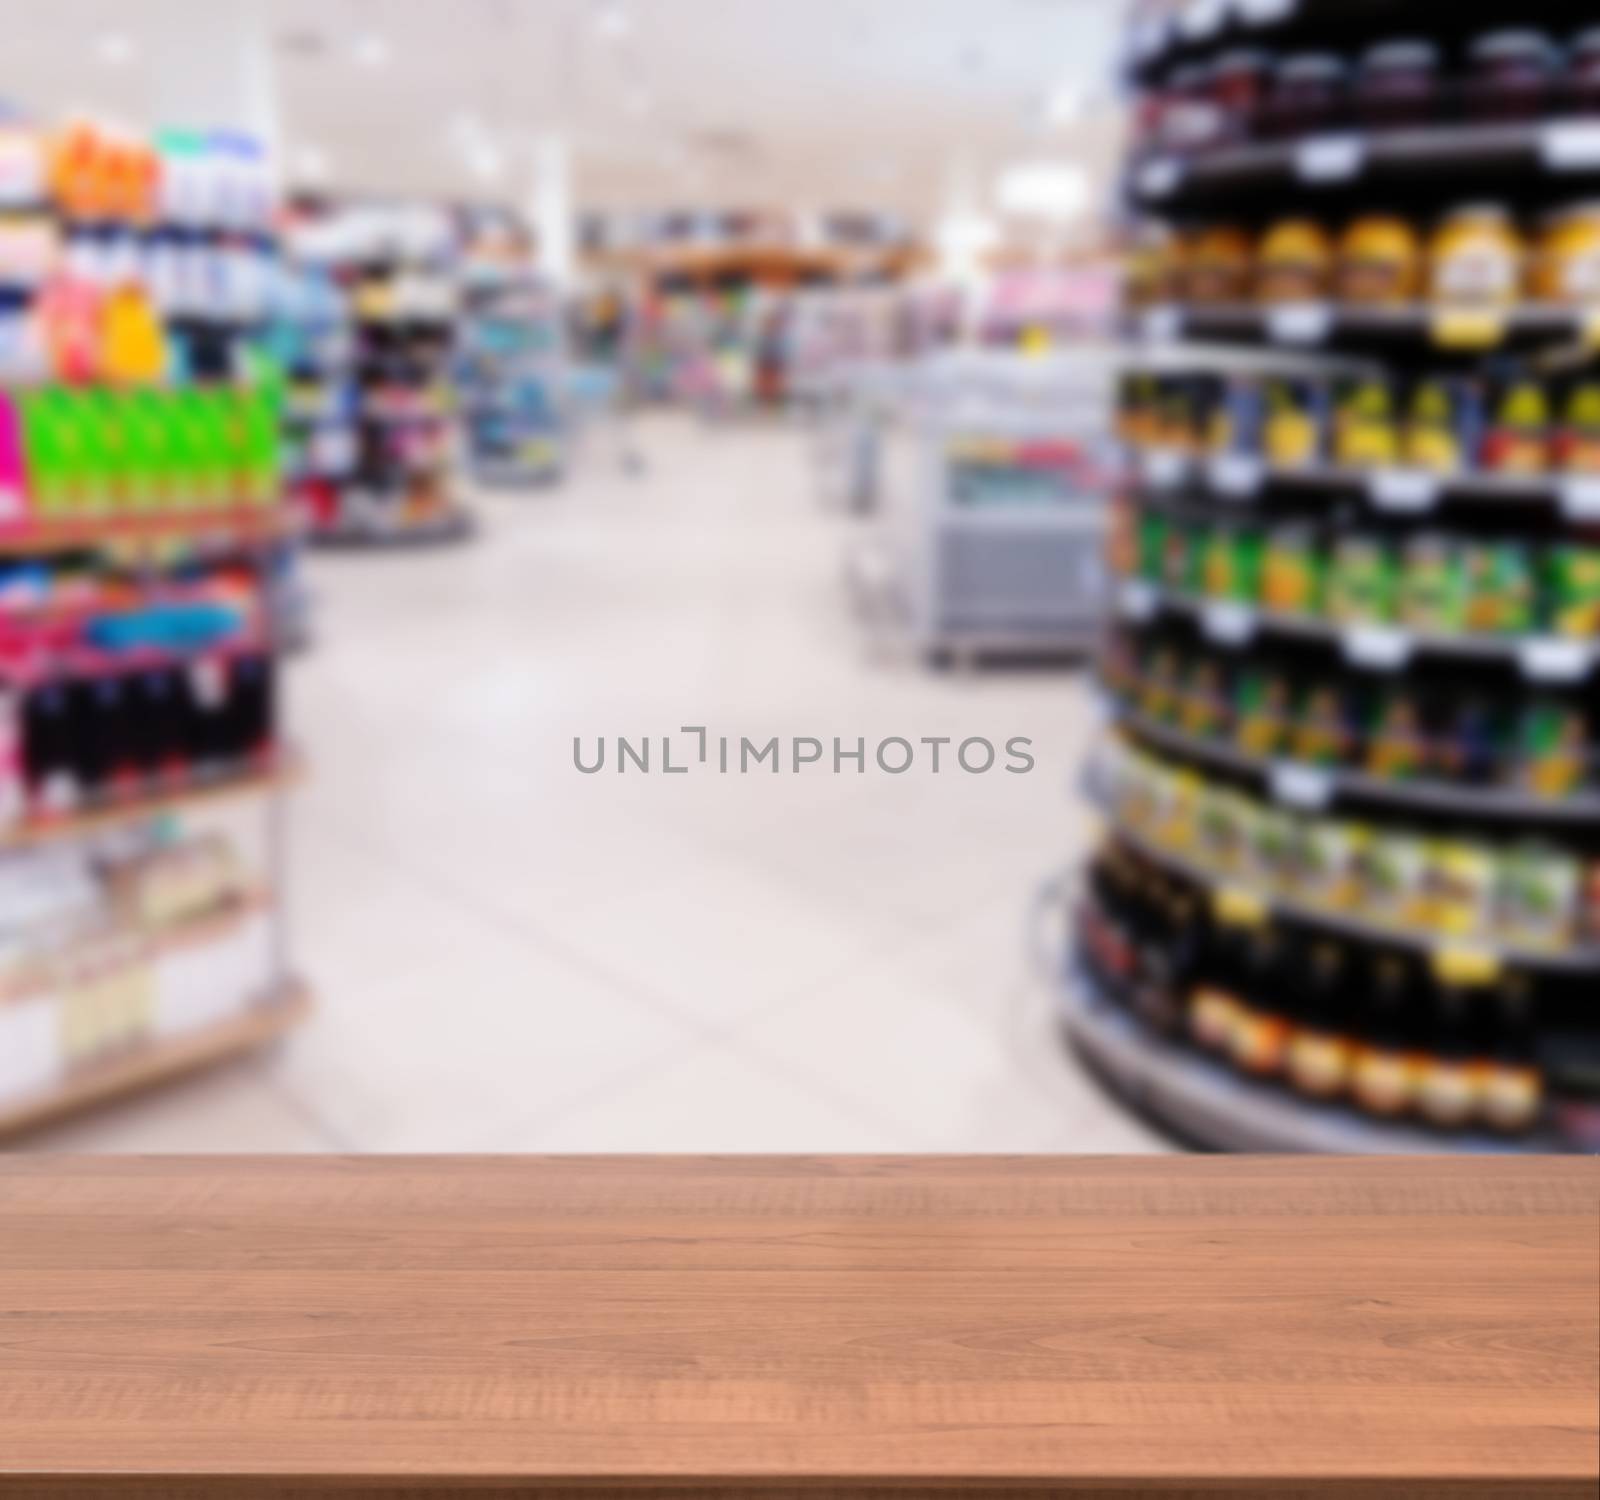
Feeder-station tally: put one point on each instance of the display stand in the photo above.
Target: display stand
(140, 621)
(1347, 897)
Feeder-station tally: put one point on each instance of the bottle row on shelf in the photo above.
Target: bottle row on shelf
(92, 173)
(1437, 730)
(104, 951)
(127, 721)
(1427, 583)
(1507, 423)
(1340, 1023)
(71, 453)
(1251, 93)
(1476, 256)
(1465, 899)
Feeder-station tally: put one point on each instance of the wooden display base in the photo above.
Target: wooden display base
(156, 1062)
(1282, 1328)
(194, 795)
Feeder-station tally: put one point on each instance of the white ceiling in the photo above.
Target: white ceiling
(765, 103)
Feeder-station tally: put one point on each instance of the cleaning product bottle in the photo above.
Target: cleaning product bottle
(14, 497)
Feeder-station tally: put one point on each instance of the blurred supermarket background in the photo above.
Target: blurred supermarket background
(408, 408)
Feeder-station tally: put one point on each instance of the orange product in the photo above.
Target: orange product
(1476, 258)
(1294, 263)
(1217, 265)
(1380, 262)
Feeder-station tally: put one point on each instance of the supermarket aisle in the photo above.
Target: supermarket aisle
(512, 956)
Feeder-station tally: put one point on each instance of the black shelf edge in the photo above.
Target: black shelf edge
(1302, 787)
(1553, 660)
(1204, 1101)
(1583, 959)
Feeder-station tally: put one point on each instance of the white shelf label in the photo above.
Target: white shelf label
(1378, 647)
(1300, 323)
(1571, 145)
(1235, 476)
(1228, 623)
(1308, 788)
(1265, 12)
(1552, 659)
(1164, 468)
(1202, 18)
(1330, 158)
(1580, 498)
(1137, 600)
(1162, 325)
(1408, 491)
(1160, 177)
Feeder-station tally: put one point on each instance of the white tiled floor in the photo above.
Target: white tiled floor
(510, 956)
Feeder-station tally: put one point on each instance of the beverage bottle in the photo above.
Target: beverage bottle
(1450, 1077)
(1512, 1086)
(1261, 1034)
(1385, 1074)
(1320, 1052)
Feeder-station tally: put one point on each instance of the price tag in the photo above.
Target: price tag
(1405, 491)
(1162, 325)
(1300, 323)
(1137, 600)
(1235, 476)
(1571, 145)
(1552, 659)
(1330, 158)
(1469, 327)
(1237, 907)
(1265, 12)
(1160, 177)
(1308, 788)
(1378, 647)
(1163, 468)
(1460, 964)
(1228, 623)
(1580, 498)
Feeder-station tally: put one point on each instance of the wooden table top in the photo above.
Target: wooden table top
(1130, 1326)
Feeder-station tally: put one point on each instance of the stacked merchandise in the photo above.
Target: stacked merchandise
(1350, 897)
(511, 373)
(374, 413)
(138, 504)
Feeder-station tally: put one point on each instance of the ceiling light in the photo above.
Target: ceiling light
(310, 163)
(486, 163)
(371, 50)
(1063, 104)
(115, 49)
(1044, 189)
(613, 22)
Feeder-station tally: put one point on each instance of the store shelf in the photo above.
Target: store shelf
(1379, 648)
(235, 526)
(1426, 160)
(1319, 325)
(159, 1061)
(35, 833)
(1583, 959)
(1204, 1101)
(1243, 478)
(1203, 28)
(1309, 788)
(453, 526)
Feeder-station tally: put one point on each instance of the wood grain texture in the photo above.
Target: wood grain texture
(1285, 1327)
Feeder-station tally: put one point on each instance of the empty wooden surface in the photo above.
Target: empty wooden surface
(1262, 1326)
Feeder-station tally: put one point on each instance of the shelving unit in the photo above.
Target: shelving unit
(378, 427)
(1296, 937)
(142, 561)
(511, 371)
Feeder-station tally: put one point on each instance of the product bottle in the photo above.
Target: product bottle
(1261, 1035)
(1511, 1091)
(1385, 1075)
(1320, 1052)
(1451, 1076)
